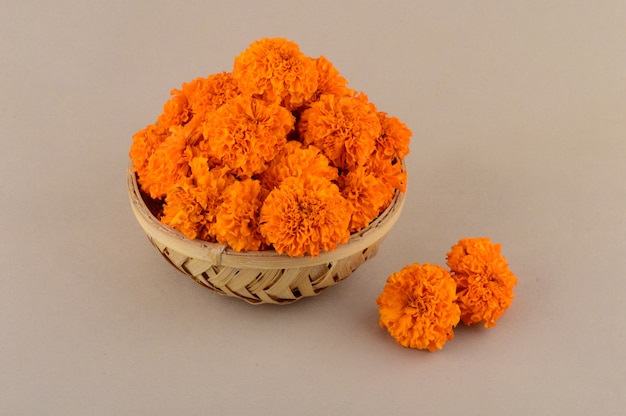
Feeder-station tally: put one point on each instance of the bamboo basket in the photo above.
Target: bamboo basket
(262, 276)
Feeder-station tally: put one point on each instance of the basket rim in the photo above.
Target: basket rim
(222, 255)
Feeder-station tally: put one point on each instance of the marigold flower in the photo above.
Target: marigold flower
(330, 81)
(176, 110)
(206, 95)
(367, 195)
(246, 133)
(484, 281)
(204, 174)
(167, 165)
(344, 128)
(297, 160)
(417, 306)
(394, 138)
(305, 216)
(191, 205)
(275, 70)
(145, 142)
(197, 98)
(185, 210)
(237, 217)
(390, 171)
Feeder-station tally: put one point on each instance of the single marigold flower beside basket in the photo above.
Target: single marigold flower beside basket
(484, 281)
(270, 182)
(418, 308)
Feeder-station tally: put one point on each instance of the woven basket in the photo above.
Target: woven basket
(261, 276)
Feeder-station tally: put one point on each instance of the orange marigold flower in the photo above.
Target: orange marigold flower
(246, 133)
(330, 81)
(237, 218)
(395, 137)
(167, 165)
(176, 111)
(191, 205)
(298, 160)
(275, 70)
(390, 171)
(206, 175)
(484, 281)
(206, 95)
(144, 144)
(417, 306)
(305, 216)
(367, 195)
(184, 210)
(344, 128)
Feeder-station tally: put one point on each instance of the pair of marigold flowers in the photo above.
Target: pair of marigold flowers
(278, 153)
(421, 304)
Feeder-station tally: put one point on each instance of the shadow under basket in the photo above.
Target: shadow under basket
(261, 276)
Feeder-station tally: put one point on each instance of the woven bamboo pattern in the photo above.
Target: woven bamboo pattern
(265, 276)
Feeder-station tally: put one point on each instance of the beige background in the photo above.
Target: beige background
(519, 117)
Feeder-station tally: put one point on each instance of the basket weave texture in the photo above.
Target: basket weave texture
(261, 276)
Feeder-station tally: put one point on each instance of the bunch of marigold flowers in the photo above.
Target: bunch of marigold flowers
(421, 304)
(278, 153)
